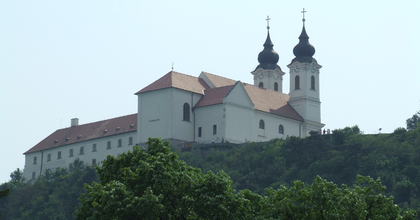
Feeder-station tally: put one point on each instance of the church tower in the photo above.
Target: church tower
(268, 74)
(304, 83)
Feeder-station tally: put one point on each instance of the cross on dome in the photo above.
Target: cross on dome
(303, 12)
(268, 22)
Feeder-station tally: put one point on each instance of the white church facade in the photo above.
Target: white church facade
(205, 109)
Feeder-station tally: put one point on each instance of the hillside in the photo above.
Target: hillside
(339, 157)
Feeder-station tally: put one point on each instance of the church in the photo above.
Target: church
(207, 109)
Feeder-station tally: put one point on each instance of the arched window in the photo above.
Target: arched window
(261, 85)
(297, 82)
(313, 82)
(281, 129)
(276, 86)
(262, 124)
(186, 112)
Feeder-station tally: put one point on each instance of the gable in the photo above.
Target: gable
(239, 96)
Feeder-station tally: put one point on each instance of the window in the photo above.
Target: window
(276, 86)
(119, 143)
(71, 153)
(199, 131)
(313, 82)
(108, 145)
(93, 147)
(58, 155)
(281, 129)
(33, 175)
(186, 112)
(261, 85)
(130, 141)
(262, 124)
(214, 129)
(297, 82)
(71, 166)
(34, 160)
(93, 162)
(48, 157)
(82, 150)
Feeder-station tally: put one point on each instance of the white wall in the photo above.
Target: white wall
(180, 129)
(160, 114)
(101, 153)
(271, 128)
(154, 114)
(206, 117)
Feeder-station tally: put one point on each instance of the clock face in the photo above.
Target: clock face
(260, 75)
(297, 68)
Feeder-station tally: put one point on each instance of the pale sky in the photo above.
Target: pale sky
(86, 59)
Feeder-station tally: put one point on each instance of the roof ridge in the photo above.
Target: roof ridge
(218, 76)
(184, 74)
(221, 87)
(98, 121)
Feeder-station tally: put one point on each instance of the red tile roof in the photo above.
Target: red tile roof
(219, 81)
(271, 101)
(213, 96)
(86, 132)
(264, 100)
(177, 80)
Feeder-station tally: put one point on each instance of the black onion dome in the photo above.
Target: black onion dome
(303, 50)
(268, 58)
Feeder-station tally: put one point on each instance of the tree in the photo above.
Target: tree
(324, 200)
(4, 193)
(154, 184)
(413, 121)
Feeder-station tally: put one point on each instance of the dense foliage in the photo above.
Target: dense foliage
(413, 121)
(154, 184)
(54, 195)
(340, 157)
(267, 176)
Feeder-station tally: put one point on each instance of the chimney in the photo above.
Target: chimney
(74, 122)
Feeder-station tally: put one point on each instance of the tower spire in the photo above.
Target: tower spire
(303, 50)
(268, 58)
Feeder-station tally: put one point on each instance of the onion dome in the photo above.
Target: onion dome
(303, 50)
(268, 58)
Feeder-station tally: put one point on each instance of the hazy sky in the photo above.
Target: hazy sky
(86, 59)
